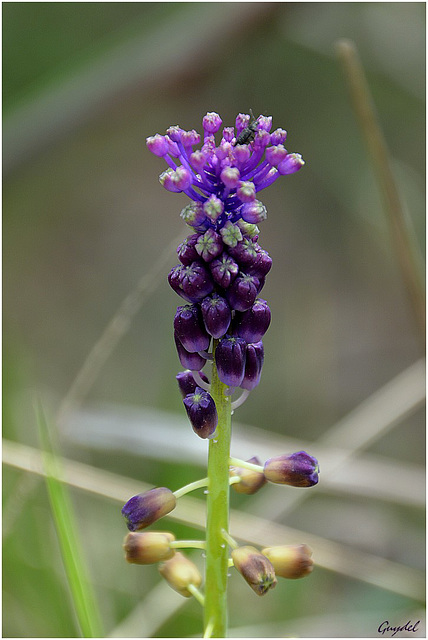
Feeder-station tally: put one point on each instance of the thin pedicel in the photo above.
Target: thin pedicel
(221, 272)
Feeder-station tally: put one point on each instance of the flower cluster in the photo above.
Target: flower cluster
(222, 266)
(221, 273)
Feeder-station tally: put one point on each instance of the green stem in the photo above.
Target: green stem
(198, 484)
(237, 462)
(187, 544)
(217, 555)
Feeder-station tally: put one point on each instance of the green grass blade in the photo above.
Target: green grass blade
(83, 598)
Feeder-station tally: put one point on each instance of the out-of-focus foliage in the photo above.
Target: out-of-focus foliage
(85, 218)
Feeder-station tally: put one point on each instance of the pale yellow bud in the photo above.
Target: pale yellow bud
(148, 547)
(290, 561)
(180, 572)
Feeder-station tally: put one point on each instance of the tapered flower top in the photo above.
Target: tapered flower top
(223, 180)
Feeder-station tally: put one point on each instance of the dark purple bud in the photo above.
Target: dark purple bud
(253, 212)
(261, 264)
(253, 366)
(186, 250)
(209, 245)
(245, 252)
(297, 469)
(189, 328)
(251, 481)
(224, 270)
(255, 568)
(195, 282)
(202, 412)
(230, 360)
(186, 382)
(216, 315)
(253, 323)
(192, 361)
(145, 508)
(243, 291)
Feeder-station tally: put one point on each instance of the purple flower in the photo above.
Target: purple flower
(192, 361)
(243, 291)
(186, 381)
(186, 250)
(145, 508)
(253, 323)
(190, 330)
(216, 314)
(253, 366)
(192, 282)
(224, 270)
(202, 412)
(297, 469)
(230, 360)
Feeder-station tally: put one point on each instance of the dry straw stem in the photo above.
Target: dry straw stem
(402, 233)
(256, 531)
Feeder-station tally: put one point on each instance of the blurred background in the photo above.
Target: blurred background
(85, 219)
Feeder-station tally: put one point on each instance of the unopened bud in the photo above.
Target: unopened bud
(297, 469)
(290, 561)
(148, 547)
(180, 572)
(145, 508)
(255, 568)
(251, 481)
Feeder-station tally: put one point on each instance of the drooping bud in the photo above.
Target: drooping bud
(245, 252)
(202, 412)
(148, 547)
(186, 382)
(251, 481)
(230, 360)
(209, 245)
(192, 361)
(189, 328)
(253, 366)
(224, 270)
(261, 264)
(243, 291)
(253, 323)
(297, 470)
(145, 508)
(186, 250)
(216, 315)
(290, 561)
(255, 568)
(180, 572)
(192, 282)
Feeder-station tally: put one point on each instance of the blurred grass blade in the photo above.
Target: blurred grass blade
(257, 531)
(82, 595)
(402, 233)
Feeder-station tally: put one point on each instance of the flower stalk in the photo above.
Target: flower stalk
(217, 555)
